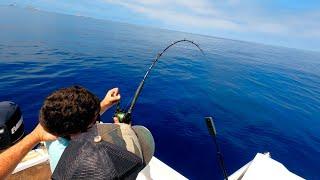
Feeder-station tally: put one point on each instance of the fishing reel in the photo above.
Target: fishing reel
(122, 115)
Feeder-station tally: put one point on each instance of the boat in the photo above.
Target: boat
(263, 167)
(35, 165)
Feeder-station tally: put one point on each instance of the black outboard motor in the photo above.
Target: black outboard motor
(11, 124)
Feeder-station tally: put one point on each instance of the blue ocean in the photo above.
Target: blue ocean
(263, 98)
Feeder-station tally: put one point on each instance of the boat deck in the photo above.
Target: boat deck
(36, 166)
(40, 171)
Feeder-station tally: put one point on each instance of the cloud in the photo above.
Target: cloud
(231, 15)
(284, 23)
(191, 13)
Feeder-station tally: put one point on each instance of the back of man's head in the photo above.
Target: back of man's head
(69, 111)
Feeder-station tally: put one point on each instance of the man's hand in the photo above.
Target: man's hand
(42, 135)
(115, 120)
(11, 157)
(112, 97)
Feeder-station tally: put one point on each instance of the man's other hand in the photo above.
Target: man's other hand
(42, 135)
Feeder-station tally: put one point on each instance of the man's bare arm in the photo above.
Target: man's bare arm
(11, 157)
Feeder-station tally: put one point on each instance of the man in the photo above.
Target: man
(72, 110)
(72, 113)
(89, 150)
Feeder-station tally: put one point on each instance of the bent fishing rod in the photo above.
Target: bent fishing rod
(123, 115)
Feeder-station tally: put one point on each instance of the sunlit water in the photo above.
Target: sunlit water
(263, 98)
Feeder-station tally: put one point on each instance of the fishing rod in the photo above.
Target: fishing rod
(213, 133)
(123, 115)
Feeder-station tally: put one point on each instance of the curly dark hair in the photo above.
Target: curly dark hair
(69, 111)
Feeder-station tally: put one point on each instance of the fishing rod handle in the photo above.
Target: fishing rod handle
(211, 126)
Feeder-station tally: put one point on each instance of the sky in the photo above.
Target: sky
(289, 23)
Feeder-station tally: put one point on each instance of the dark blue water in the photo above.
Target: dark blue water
(263, 98)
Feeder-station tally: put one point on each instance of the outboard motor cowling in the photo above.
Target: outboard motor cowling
(11, 124)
